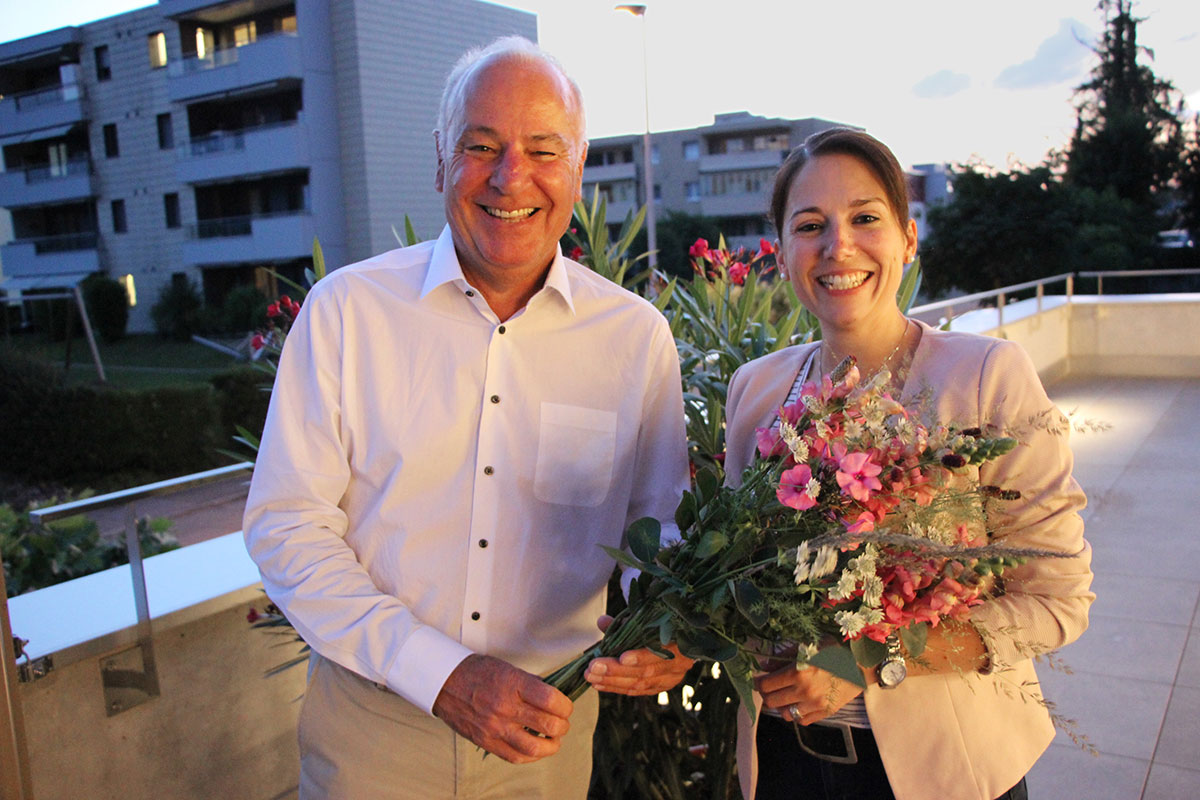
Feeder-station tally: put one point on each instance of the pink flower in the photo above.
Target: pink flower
(738, 272)
(765, 248)
(792, 488)
(576, 253)
(273, 310)
(864, 523)
(257, 342)
(857, 475)
(769, 443)
(699, 249)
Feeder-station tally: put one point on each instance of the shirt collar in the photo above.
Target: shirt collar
(444, 268)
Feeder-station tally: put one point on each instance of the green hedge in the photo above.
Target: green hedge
(82, 436)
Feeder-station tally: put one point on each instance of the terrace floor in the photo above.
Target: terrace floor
(1135, 687)
(1135, 691)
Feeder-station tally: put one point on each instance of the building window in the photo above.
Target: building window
(112, 148)
(157, 45)
(691, 191)
(120, 224)
(166, 133)
(654, 154)
(171, 209)
(658, 191)
(691, 151)
(103, 67)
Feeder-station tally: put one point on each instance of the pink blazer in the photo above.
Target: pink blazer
(970, 736)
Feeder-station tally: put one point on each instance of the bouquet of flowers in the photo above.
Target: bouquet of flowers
(858, 520)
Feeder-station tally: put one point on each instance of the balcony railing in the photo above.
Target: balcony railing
(62, 243)
(220, 142)
(39, 98)
(218, 58)
(75, 167)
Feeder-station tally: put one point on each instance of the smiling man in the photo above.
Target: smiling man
(456, 429)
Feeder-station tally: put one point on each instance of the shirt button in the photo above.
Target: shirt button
(501, 329)
(495, 398)
(470, 293)
(475, 615)
(488, 470)
(483, 542)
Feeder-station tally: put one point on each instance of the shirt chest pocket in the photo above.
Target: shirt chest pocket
(576, 450)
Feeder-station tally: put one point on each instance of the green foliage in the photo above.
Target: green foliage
(1127, 134)
(242, 395)
(610, 259)
(88, 436)
(36, 556)
(1011, 227)
(176, 314)
(243, 310)
(675, 233)
(107, 306)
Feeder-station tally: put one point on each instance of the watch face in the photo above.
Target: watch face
(891, 673)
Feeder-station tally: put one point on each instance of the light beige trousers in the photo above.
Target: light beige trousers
(361, 742)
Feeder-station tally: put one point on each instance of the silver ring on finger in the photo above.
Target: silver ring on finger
(794, 713)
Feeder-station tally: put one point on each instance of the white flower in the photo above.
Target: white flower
(812, 488)
(794, 441)
(853, 429)
(850, 622)
(803, 567)
(872, 591)
(872, 616)
(845, 587)
(825, 562)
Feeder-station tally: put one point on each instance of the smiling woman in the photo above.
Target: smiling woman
(841, 210)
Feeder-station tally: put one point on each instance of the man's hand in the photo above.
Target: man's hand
(805, 695)
(637, 672)
(504, 710)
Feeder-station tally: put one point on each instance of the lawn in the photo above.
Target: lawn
(135, 362)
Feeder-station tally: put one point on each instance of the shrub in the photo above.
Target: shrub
(176, 314)
(36, 556)
(107, 305)
(87, 436)
(51, 317)
(242, 398)
(244, 310)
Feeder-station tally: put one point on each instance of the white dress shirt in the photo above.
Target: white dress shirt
(433, 482)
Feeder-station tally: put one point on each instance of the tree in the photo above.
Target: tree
(1127, 133)
(1011, 227)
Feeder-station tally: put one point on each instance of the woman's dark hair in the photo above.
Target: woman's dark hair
(873, 153)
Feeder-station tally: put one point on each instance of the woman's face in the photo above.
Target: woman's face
(842, 246)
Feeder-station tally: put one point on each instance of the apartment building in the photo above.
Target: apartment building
(724, 170)
(212, 141)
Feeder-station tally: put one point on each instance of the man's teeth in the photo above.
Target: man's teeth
(518, 213)
(841, 282)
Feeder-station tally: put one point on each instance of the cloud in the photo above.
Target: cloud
(1060, 58)
(942, 83)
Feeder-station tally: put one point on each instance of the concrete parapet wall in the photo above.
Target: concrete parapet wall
(219, 728)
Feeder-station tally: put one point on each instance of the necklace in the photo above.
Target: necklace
(883, 365)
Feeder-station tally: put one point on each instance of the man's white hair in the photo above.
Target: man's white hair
(454, 94)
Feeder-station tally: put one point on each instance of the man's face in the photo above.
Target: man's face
(512, 173)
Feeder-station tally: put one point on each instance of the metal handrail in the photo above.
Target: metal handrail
(1133, 273)
(1001, 296)
(125, 496)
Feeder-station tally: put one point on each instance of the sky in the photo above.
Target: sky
(938, 80)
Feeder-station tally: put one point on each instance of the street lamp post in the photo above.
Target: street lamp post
(647, 165)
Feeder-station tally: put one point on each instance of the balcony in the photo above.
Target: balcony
(41, 185)
(51, 255)
(257, 151)
(749, 159)
(43, 108)
(218, 729)
(270, 58)
(735, 204)
(608, 173)
(234, 240)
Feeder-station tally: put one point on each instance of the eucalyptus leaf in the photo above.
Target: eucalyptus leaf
(644, 538)
(750, 602)
(685, 512)
(740, 676)
(622, 557)
(914, 637)
(838, 660)
(711, 543)
(868, 651)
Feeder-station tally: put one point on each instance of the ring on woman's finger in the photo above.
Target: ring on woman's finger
(794, 712)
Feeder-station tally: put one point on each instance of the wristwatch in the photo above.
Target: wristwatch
(892, 671)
